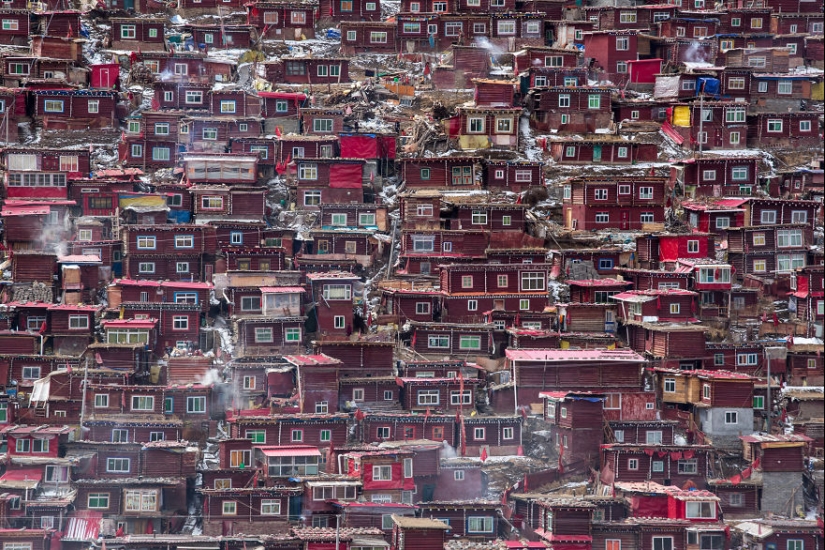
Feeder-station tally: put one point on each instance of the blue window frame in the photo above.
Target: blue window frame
(605, 264)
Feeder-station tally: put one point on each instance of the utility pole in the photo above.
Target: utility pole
(337, 530)
(83, 402)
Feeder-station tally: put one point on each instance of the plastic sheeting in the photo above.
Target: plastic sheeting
(363, 146)
(652, 507)
(709, 85)
(666, 87)
(345, 176)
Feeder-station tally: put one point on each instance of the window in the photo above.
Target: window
(653, 437)
(687, 466)
(622, 43)
(479, 28)
(767, 217)
(594, 101)
(382, 473)
(633, 464)
(508, 433)
(193, 97)
(645, 192)
(196, 404)
(705, 391)
(118, 465)
(270, 507)
(227, 106)
(760, 266)
(143, 403)
(367, 220)
(322, 407)
(784, 87)
(410, 28)
(758, 401)
(479, 524)
(662, 543)
(627, 17)
(786, 238)
(250, 303)
(739, 173)
(296, 436)
(210, 134)
(621, 67)
(790, 262)
(98, 501)
(602, 217)
(458, 475)
(382, 432)
(479, 217)
(467, 281)
(461, 398)
(469, 342)
(292, 335)
(736, 83)
(453, 28)
(351, 37)
(475, 125)
(184, 241)
(504, 125)
(670, 385)
(298, 17)
(699, 509)
(422, 308)
(230, 508)
(378, 38)
(774, 125)
(160, 153)
(52, 105)
(312, 198)
(438, 341)
(78, 322)
(127, 32)
(796, 544)
(506, 27)
(554, 61)
(601, 194)
(533, 280)
(799, 217)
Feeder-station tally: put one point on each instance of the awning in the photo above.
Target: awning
(26, 478)
(291, 451)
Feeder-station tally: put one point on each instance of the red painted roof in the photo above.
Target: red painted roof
(23, 474)
(130, 323)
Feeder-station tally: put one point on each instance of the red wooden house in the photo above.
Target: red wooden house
(594, 203)
(421, 394)
(248, 510)
(418, 533)
(283, 20)
(381, 426)
(134, 34)
(711, 175)
(16, 29)
(611, 50)
(602, 151)
(486, 127)
(309, 70)
(789, 130)
(368, 37)
(166, 251)
(576, 110)
(334, 295)
(477, 520)
(596, 291)
(715, 216)
(465, 340)
(468, 62)
(358, 10)
(675, 465)
(329, 181)
(75, 109)
(663, 250)
(768, 251)
(538, 370)
(672, 305)
(227, 169)
(419, 248)
(297, 146)
(512, 175)
(43, 173)
(311, 430)
(440, 172)
(197, 7)
(223, 36)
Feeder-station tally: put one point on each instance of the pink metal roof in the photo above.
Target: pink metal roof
(292, 450)
(23, 474)
(79, 259)
(281, 289)
(130, 323)
(186, 284)
(599, 282)
(573, 355)
(133, 282)
(75, 307)
(319, 359)
(24, 211)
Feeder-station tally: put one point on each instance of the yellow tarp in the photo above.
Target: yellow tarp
(473, 142)
(681, 116)
(818, 91)
(152, 201)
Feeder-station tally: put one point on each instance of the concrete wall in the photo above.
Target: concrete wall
(782, 492)
(722, 435)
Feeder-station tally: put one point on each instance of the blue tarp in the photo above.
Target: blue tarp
(709, 85)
